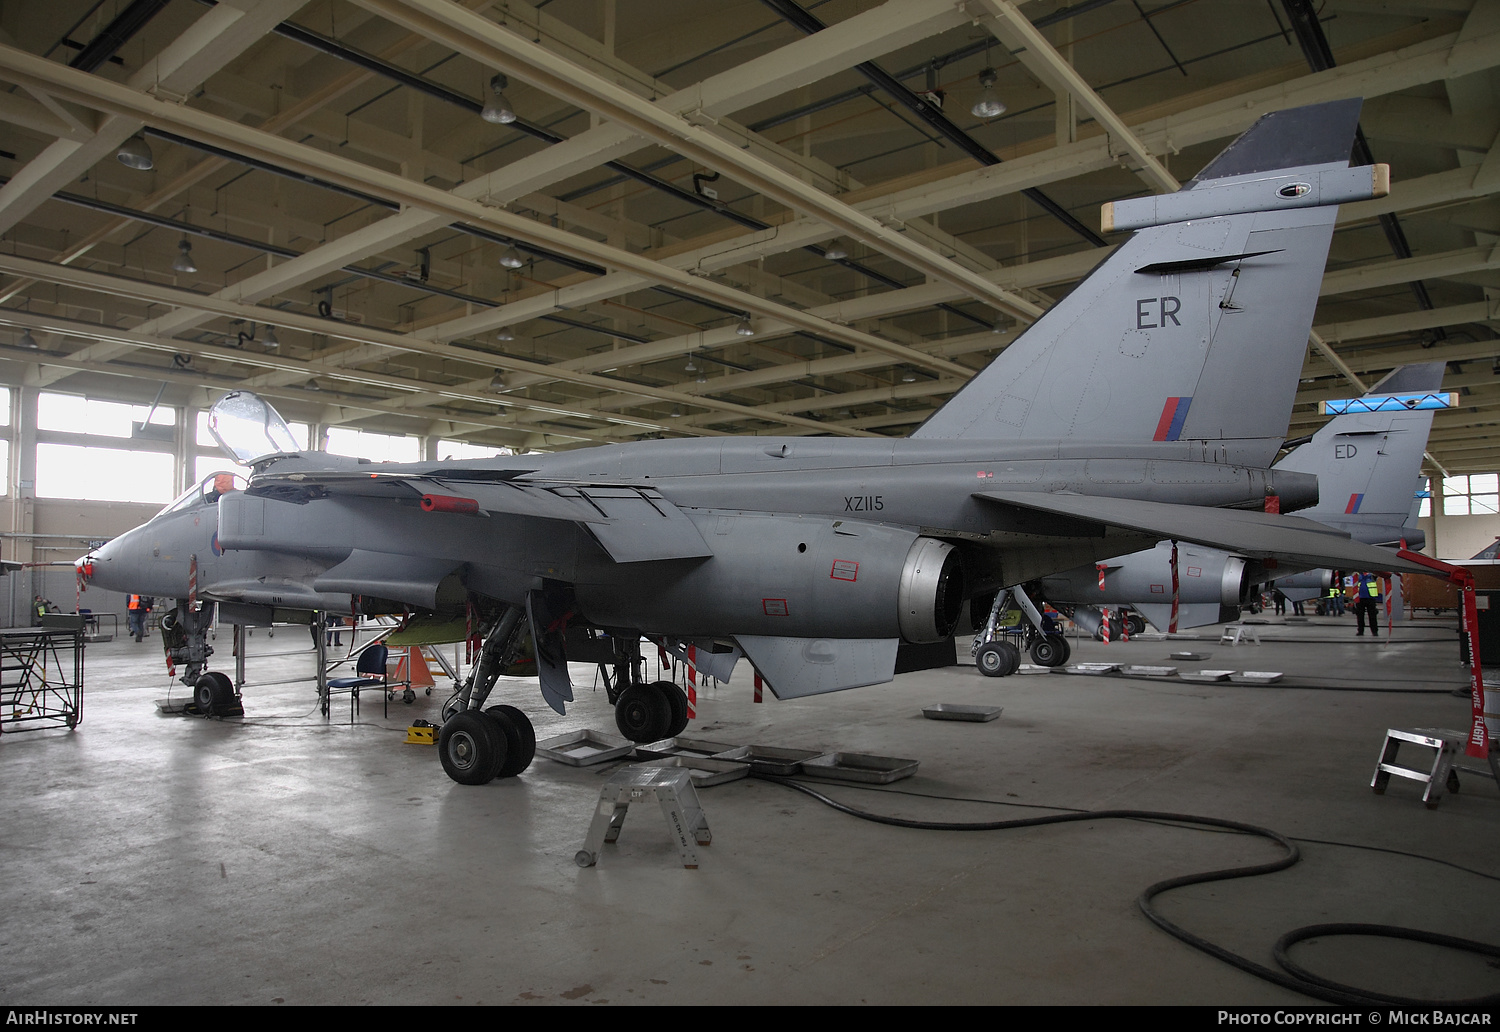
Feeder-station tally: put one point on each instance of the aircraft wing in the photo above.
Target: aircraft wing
(1258, 535)
(632, 523)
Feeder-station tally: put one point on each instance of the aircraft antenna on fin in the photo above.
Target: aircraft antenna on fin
(1196, 327)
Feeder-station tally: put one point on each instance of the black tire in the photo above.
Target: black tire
(203, 695)
(1067, 648)
(677, 699)
(1049, 651)
(409, 696)
(997, 659)
(521, 749)
(471, 747)
(1135, 624)
(643, 713)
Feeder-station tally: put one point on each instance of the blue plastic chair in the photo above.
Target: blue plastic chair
(371, 662)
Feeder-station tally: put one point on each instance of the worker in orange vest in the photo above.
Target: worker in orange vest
(137, 617)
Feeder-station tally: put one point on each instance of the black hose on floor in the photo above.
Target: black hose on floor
(1293, 977)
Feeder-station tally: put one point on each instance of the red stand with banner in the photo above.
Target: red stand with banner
(1479, 736)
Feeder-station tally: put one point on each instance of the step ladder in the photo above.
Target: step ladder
(671, 788)
(1238, 634)
(1448, 745)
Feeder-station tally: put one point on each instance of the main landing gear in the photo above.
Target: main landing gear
(644, 711)
(478, 744)
(997, 652)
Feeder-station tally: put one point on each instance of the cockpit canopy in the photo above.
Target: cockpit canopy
(248, 428)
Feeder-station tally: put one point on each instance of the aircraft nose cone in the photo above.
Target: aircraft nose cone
(101, 567)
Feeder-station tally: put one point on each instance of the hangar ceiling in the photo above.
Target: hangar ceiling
(708, 217)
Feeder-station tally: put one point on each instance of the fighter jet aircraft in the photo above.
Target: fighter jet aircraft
(1147, 404)
(1366, 464)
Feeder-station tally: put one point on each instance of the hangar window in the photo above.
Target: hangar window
(74, 414)
(464, 450)
(365, 444)
(103, 474)
(1477, 494)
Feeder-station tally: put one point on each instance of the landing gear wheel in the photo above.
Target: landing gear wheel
(677, 699)
(522, 748)
(213, 694)
(1051, 651)
(1134, 624)
(409, 696)
(998, 659)
(472, 747)
(643, 713)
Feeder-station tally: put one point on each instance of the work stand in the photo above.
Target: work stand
(672, 788)
(41, 676)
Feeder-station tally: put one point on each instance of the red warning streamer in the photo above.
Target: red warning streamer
(1172, 626)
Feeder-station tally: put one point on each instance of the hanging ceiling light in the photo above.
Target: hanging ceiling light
(511, 259)
(270, 340)
(676, 412)
(503, 333)
(744, 329)
(136, 153)
(28, 341)
(907, 376)
(702, 376)
(184, 262)
(988, 104)
(690, 367)
(999, 327)
(497, 382)
(497, 109)
(834, 251)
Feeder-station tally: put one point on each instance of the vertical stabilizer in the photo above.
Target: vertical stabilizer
(1367, 462)
(1196, 327)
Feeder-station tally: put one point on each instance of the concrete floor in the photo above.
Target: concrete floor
(284, 858)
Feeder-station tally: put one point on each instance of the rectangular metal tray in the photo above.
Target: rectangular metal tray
(1093, 668)
(767, 759)
(1257, 677)
(681, 747)
(584, 748)
(877, 770)
(957, 711)
(704, 771)
(1204, 675)
(1188, 657)
(1136, 670)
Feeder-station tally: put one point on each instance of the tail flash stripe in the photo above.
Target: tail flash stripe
(1354, 503)
(1173, 415)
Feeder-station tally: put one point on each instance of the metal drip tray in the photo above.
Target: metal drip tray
(584, 748)
(877, 770)
(1257, 677)
(1205, 675)
(956, 711)
(1093, 668)
(704, 771)
(681, 747)
(1148, 671)
(765, 759)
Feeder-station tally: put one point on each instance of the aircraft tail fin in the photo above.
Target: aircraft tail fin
(1196, 327)
(1366, 463)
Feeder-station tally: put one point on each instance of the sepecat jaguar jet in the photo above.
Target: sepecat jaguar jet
(1146, 405)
